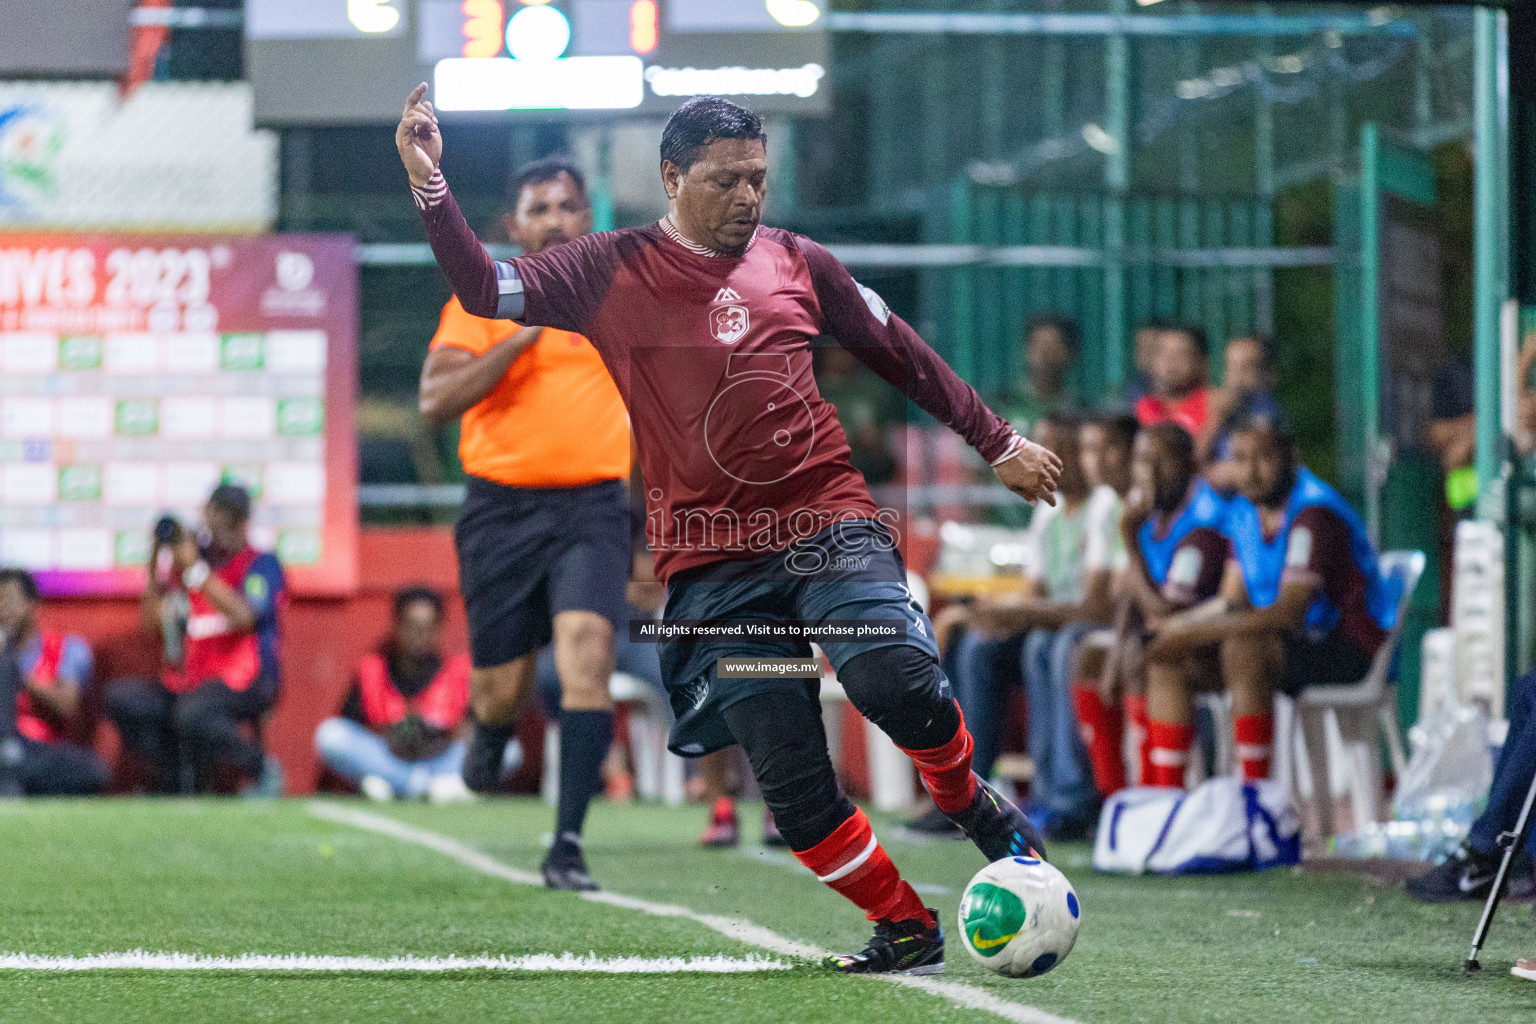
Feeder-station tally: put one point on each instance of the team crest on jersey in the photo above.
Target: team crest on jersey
(729, 323)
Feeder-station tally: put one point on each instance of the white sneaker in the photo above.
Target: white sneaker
(449, 789)
(377, 789)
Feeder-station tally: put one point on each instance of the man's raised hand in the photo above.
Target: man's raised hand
(1031, 474)
(418, 140)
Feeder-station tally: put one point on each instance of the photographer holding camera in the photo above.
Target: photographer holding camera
(216, 605)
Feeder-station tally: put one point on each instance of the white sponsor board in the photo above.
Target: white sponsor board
(172, 156)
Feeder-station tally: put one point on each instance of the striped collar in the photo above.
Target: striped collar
(671, 232)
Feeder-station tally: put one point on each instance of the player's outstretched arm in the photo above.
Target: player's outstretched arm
(861, 322)
(460, 255)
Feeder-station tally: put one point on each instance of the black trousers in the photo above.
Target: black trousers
(186, 736)
(61, 769)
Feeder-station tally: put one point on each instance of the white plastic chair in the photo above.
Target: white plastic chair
(1359, 711)
(658, 771)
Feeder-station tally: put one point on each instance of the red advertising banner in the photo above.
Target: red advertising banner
(138, 372)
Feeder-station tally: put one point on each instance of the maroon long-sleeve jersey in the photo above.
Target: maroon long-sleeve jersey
(712, 355)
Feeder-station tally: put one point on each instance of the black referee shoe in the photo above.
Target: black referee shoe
(998, 828)
(898, 947)
(565, 868)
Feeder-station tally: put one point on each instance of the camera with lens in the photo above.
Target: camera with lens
(168, 531)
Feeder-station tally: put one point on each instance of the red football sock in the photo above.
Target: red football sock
(1168, 752)
(854, 863)
(1136, 716)
(946, 770)
(1255, 735)
(1103, 734)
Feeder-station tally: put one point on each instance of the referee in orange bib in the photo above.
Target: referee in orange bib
(543, 537)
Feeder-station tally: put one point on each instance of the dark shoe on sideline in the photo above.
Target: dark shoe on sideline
(898, 947)
(934, 822)
(1075, 826)
(998, 828)
(565, 868)
(1467, 876)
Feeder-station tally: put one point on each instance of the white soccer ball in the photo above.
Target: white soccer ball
(1019, 917)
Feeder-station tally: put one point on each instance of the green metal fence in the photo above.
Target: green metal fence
(1205, 261)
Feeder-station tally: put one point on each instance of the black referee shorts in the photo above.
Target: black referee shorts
(528, 553)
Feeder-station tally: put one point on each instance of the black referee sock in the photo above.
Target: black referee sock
(585, 737)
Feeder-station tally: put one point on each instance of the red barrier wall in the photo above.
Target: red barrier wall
(322, 638)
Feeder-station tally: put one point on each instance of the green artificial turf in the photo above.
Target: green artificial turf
(229, 878)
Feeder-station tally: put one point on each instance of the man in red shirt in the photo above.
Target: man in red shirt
(755, 514)
(1180, 392)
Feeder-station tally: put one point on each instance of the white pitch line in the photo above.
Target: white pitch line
(743, 931)
(140, 960)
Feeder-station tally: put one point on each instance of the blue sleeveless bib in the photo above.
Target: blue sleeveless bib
(1263, 561)
(1204, 508)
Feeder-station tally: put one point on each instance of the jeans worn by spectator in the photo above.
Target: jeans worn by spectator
(984, 672)
(1063, 781)
(354, 751)
(1512, 775)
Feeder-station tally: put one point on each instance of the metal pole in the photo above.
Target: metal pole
(1264, 180)
(1376, 460)
(1117, 62)
(602, 182)
(1489, 241)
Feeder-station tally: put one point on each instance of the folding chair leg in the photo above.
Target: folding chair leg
(1387, 715)
(1314, 730)
(1358, 731)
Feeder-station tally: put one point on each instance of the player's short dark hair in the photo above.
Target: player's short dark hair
(703, 120)
(1062, 324)
(545, 168)
(418, 592)
(1120, 426)
(1179, 442)
(1196, 334)
(1158, 323)
(1275, 427)
(233, 500)
(23, 579)
(1265, 342)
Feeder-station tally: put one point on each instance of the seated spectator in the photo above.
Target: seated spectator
(400, 730)
(218, 609)
(1179, 393)
(1050, 350)
(1172, 532)
(1302, 603)
(867, 407)
(1247, 391)
(1452, 433)
(1067, 594)
(48, 671)
(1146, 338)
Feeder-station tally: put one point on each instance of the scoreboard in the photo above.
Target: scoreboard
(139, 371)
(353, 61)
